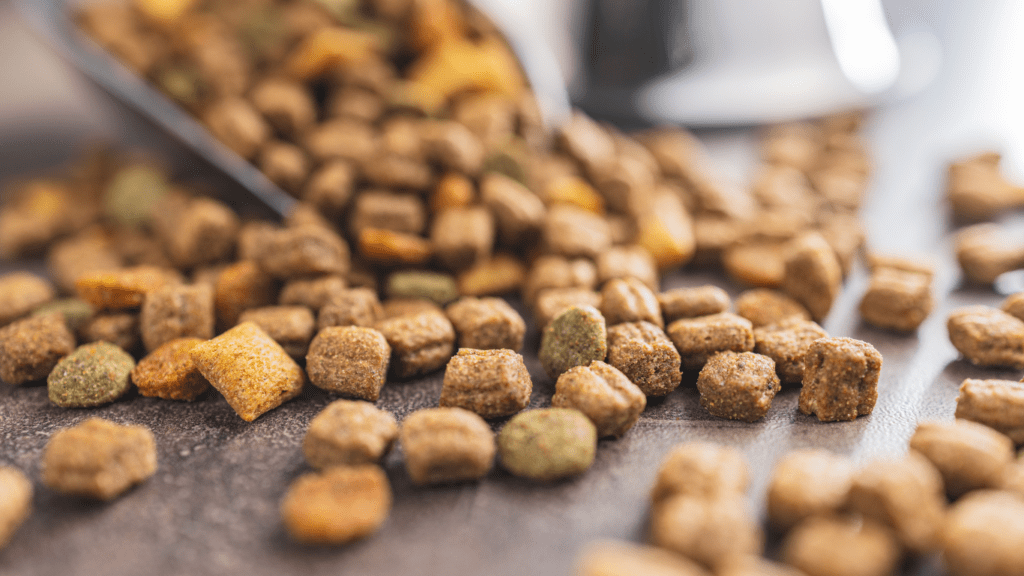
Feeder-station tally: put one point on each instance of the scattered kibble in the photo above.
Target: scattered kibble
(969, 456)
(813, 275)
(738, 385)
(491, 383)
(349, 360)
(703, 470)
(576, 337)
(807, 483)
(98, 459)
(93, 375)
(176, 311)
(693, 302)
(76, 312)
(764, 307)
(643, 352)
(711, 531)
(987, 336)
(123, 289)
(487, 324)
(547, 444)
(446, 445)
(20, 293)
(998, 404)
(897, 300)
(434, 286)
(841, 546)
(290, 326)
(629, 300)
(118, 328)
(15, 502)
(982, 535)
(349, 433)
(697, 339)
(337, 505)
(421, 342)
(603, 394)
(786, 343)
(169, 372)
(30, 348)
(628, 559)
(350, 307)
(840, 379)
(313, 293)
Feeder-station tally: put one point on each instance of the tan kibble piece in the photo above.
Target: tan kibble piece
(998, 404)
(120, 328)
(552, 302)
(284, 164)
(897, 300)
(756, 566)
(389, 211)
(609, 558)
(98, 459)
(395, 307)
(349, 360)
(700, 338)
(241, 286)
(462, 237)
(712, 531)
(348, 433)
(491, 383)
(453, 146)
(304, 250)
(786, 343)
(985, 251)
(833, 546)
(807, 483)
(764, 306)
(630, 300)
(1014, 305)
(444, 445)
(813, 276)
(628, 262)
(390, 247)
(313, 293)
(15, 502)
(238, 125)
(330, 188)
(551, 271)
(342, 139)
(738, 385)
(499, 274)
(70, 259)
(125, 288)
(987, 336)
(604, 394)
(169, 372)
(840, 380)
(420, 342)
(587, 142)
(20, 293)
(916, 265)
(290, 326)
(977, 189)
(969, 456)
(518, 211)
(692, 302)
(453, 190)
(486, 324)
(983, 533)
(176, 311)
(760, 263)
(643, 352)
(351, 307)
(30, 348)
(252, 371)
(701, 470)
(712, 235)
(666, 231)
(905, 495)
(286, 104)
(195, 231)
(337, 505)
(574, 232)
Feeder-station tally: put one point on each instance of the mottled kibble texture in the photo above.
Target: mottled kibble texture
(697, 339)
(347, 433)
(487, 324)
(643, 352)
(786, 343)
(350, 307)
(15, 502)
(987, 336)
(434, 286)
(176, 311)
(738, 385)
(290, 326)
(552, 302)
(349, 360)
(21, 292)
(336, 506)
(576, 337)
(807, 483)
(170, 373)
(446, 445)
(604, 394)
(630, 300)
(701, 469)
(420, 342)
(764, 306)
(98, 459)
(93, 375)
(998, 404)
(692, 302)
(840, 379)
(120, 328)
(547, 444)
(492, 383)
(30, 348)
(251, 371)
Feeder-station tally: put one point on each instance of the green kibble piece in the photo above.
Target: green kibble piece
(576, 337)
(434, 286)
(548, 444)
(76, 312)
(133, 192)
(92, 375)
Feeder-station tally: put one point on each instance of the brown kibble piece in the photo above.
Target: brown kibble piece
(238, 125)
(30, 348)
(290, 326)
(98, 459)
(388, 211)
(286, 104)
(629, 300)
(977, 189)
(692, 302)
(176, 311)
(813, 276)
(304, 250)
(252, 371)
(551, 271)
(609, 558)
(604, 394)
(983, 533)
(985, 251)
(628, 262)
(998, 404)
(195, 231)
(643, 352)
(987, 336)
(518, 211)
(552, 302)
(576, 337)
(390, 247)
(697, 339)
(69, 260)
(491, 383)
(169, 372)
(348, 433)
(337, 505)
(284, 164)
(897, 300)
(445, 445)
(120, 328)
(1014, 305)
(125, 288)
(969, 456)
(755, 566)
(313, 293)
(666, 231)
(420, 342)
(834, 546)
(764, 306)
(499, 274)
(573, 232)
(807, 483)
(712, 531)
(349, 360)
(453, 190)
(758, 263)
(330, 188)
(241, 286)
(462, 237)
(15, 502)
(738, 385)
(840, 379)
(20, 293)
(486, 324)
(351, 307)
(702, 470)
(787, 343)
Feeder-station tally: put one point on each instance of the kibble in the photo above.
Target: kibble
(302, 251)
(764, 306)
(987, 336)
(697, 339)
(985, 251)
(840, 379)
(491, 383)
(446, 445)
(30, 348)
(550, 271)
(701, 470)
(76, 312)
(349, 360)
(337, 505)
(738, 386)
(15, 502)
(574, 232)
(603, 394)
(420, 342)
(177, 311)
(807, 483)
(462, 236)
(786, 343)
(518, 212)
(290, 326)
(499, 274)
(628, 262)
(576, 337)
(813, 275)
(627, 559)
(969, 456)
(241, 286)
(118, 328)
(756, 566)
(693, 302)
(313, 293)
(552, 302)
(487, 324)
(998, 404)
(98, 459)
(712, 531)
(756, 262)
(93, 375)
(349, 433)
(983, 533)
(169, 372)
(547, 444)
(643, 352)
(20, 293)
(629, 300)
(398, 212)
(839, 546)
(897, 300)
(123, 289)
(434, 286)
(350, 307)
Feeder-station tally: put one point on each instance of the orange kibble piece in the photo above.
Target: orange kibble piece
(574, 190)
(497, 275)
(388, 246)
(453, 191)
(125, 288)
(330, 48)
(462, 65)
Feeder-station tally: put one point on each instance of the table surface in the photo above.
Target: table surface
(212, 507)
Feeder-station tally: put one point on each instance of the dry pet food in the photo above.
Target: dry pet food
(574, 232)
(169, 372)
(702, 470)
(518, 212)
(444, 445)
(551, 271)
(764, 306)
(998, 404)
(462, 236)
(756, 262)
(350, 307)
(738, 385)
(604, 394)
(1014, 305)
(93, 375)
(486, 324)
(337, 505)
(98, 459)
(786, 343)
(813, 275)
(987, 336)
(692, 302)
(985, 251)
(76, 312)
(643, 352)
(251, 371)
(20, 293)
(434, 286)
(420, 342)
(499, 274)
(840, 379)
(837, 546)
(492, 383)
(697, 339)
(712, 531)
(983, 533)
(313, 293)
(15, 502)
(627, 559)
(552, 302)
(349, 360)
(969, 456)
(30, 348)
(304, 250)
(756, 566)
(176, 311)
(290, 326)
(118, 328)
(628, 262)
(123, 289)
(897, 300)
(348, 433)
(807, 483)
(547, 444)
(629, 300)
(576, 337)
(977, 188)
(241, 286)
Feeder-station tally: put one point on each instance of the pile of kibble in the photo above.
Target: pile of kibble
(428, 189)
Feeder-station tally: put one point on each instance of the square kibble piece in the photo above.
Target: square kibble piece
(314, 293)
(169, 372)
(492, 383)
(290, 326)
(347, 433)
(987, 336)
(30, 348)
(604, 394)
(252, 371)
(697, 339)
(98, 459)
(629, 300)
(738, 386)
(444, 445)
(351, 307)
(123, 289)
(576, 337)
(840, 379)
(643, 352)
(998, 404)
(786, 343)
(487, 324)
(349, 360)
(420, 343)
(897, 300)
(176, 311)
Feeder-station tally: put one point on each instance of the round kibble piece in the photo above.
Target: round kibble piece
(604, 394)
(998, 404)
(547, 444)
(806, 483)
(987, 336)
(444, 445)
(969, 456)
(828, 546)
(764, 306)
(169, 372)
(98, 459)
(492, 383)
(15, 502)
(701, 469)
(738, 386)
(643, 352)
(336, 506)
(93, 375)
(30, 348)
(983, 535)
(576, 337)
(349, 432)
(712, 531)
(626, 559)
